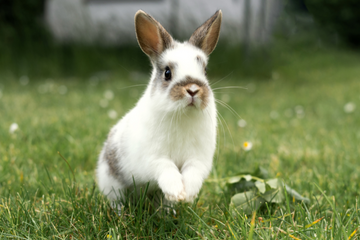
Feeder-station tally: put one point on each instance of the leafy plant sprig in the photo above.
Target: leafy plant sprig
(254, 189)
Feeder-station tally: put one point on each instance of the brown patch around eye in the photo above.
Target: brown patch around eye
(161, 70)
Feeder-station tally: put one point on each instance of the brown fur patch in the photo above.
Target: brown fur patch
(165, 83)
(206, 36)
(178, 91)
(112, 158)
(160, 78)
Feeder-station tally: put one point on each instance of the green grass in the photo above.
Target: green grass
(316, 153)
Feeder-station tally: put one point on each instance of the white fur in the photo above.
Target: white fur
(162, 141)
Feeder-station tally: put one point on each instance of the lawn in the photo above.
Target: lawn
(301, 121)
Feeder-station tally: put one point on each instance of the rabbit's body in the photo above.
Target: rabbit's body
(168, 139)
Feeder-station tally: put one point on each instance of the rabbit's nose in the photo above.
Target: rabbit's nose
(193, 90)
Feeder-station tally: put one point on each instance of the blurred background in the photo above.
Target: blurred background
(53, 38)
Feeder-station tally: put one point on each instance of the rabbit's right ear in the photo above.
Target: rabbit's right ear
(207, 35)
(151, 36)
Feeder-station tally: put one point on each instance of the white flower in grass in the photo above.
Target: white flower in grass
(247, 146)
(242, 123)
(24, 80)
(13, 128)
(43, 88)
(104, 103)
(299, 111)
(109, 94)
(112, 114)
(62, 89)
(349, 107)
(274, 114)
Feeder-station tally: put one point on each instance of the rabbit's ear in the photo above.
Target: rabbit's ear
(207, 35)
(152, 37)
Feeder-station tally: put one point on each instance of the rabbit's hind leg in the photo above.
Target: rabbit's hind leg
(109, 185)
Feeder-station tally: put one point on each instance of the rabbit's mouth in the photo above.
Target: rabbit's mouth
(193, 102)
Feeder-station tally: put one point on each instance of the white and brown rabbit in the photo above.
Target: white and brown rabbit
(168, 139)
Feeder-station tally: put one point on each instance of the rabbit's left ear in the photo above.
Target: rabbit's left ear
(152, 37)
(207, 35)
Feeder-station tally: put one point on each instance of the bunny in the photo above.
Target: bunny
(168, 139)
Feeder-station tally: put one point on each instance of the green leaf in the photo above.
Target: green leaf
(234, 179)
(261, 186)
(261, 172)
(296, 195)
(253, 193)
(247, 201)
(273, 183)
(248, 177)
(274, 195)
(238, 178)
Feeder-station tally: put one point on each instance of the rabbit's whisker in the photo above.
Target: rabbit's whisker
(218, 149)
(221, 128)
(185, 113)
(227, 106)
(230, 87)
(211, 84)
(221, 92)
(227, 126)
(137, 85)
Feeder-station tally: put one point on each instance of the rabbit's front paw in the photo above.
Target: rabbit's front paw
(173, 188)
(176, 197)
(192, 187)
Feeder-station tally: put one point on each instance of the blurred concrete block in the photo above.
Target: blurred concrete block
(111, 22)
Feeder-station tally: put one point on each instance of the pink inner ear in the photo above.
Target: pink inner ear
(148, 36)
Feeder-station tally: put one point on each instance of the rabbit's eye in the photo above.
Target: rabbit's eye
(167, 74)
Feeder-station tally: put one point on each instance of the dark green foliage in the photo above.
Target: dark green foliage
(340, 16)
(21, 20)
(54, 60)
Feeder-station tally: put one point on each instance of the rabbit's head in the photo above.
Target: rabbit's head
(178, 79)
